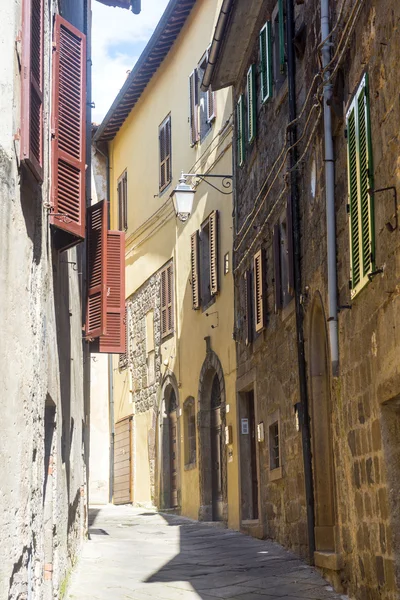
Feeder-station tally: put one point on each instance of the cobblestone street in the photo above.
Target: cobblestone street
(138, 554)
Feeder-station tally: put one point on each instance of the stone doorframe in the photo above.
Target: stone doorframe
(211, 367)
(168, 384)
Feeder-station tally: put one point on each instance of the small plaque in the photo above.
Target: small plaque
(245, 426)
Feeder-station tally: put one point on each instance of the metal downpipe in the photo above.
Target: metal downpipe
(330, 196)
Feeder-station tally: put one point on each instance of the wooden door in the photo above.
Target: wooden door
(216, 470)
(173, 459)
(122, 461)
(253, 456)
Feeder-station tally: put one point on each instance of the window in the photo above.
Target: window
(360, 180)
(251, 94)
(201, 104)
(122, 189)
(283, 260)
(266, 61)
(274, 443)
(167, 301)
(259, 290)
(249, 301)
(278, 45)
(190, 432)
(240, 139)
(205, 262)
(164, 137)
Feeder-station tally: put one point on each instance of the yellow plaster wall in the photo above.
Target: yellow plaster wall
(154, 236)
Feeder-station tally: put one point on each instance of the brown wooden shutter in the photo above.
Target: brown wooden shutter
(68, 124)
(259, 305)
(194, 262)
(97, 270)
(211, 112)
(289, 233)
(193, 102)
(114, 341)
(214, 252)
(277, 267)
(120, 193)
(167, 301)
(32, 58)
(164, 136)
(248, 308)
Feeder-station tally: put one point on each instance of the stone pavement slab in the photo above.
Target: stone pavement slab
(139, 554)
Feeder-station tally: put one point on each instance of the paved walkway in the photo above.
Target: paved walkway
(137, 554)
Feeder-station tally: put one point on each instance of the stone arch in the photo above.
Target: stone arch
(321, 430)
(211, 380)
(168, 422)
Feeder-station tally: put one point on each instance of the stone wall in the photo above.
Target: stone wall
(364, 425)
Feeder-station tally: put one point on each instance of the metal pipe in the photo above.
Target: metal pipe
(215, 44)
(303, 414)
(330, 195)
(112, 427)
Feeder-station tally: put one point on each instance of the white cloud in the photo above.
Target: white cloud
(118, 37)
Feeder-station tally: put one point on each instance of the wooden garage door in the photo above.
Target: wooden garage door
(122, 461)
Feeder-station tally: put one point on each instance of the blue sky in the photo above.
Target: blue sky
(118, 38)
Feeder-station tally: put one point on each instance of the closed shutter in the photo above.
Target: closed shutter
(251, 104)
(122, 461)
(167, 301)
(122, 190)
(32, 86)
(259, 304)
(165, 152)
(211, 112)
(69, 122)
(248, 307)
(193, 104)
(114, 341)
(281, 19)
(97, 270)
(240, 131)
(266, 61)
(194, 262)
(277, 267)
(289, 233)
(214, 253)
(360, 177)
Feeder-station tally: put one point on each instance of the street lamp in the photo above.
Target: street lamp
(183, 194)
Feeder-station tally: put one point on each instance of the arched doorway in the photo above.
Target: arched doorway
(169, 445)
(212, 452)
(321, 434)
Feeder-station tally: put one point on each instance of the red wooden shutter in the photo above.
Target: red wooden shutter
(32, 86)
(114, 341)
(97, 270)
(248, 308)
(163, 292)
(277, 267)
(289, 234)
(259, 306)
(170, 298)
(194, 262)
(69, 122)
(214, 249)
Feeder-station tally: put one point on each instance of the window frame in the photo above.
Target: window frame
(167, 160)
(240, 133)
(274, 420)
(122, 193)
(266, 62)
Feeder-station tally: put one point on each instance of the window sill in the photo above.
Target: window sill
(209, 303)
(190, 466)
(162, 192)
(275, 474)
(167, 336)
(360, 286)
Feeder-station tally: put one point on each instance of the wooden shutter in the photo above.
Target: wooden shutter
(251, 104)
(266, 61)
(248, 308)
(289, 234)
(214, 253)
(193, 104)
(122, 191)
(97, 270)
(114, 340)
(69, 122)
(281, 19)
(259, 304)
(360, 178)
(167, 301)
(240, 131)
(165, 152)
(32, 58)
(194, 262)
(211, 112)
(277, 267)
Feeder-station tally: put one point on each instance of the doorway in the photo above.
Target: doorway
(173, 450)
(216, 450)
(321, 435)
(168, 463)
(248, 457)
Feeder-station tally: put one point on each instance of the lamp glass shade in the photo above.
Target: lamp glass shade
(183, 197)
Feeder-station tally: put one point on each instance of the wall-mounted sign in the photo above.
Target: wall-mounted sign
(245, 426)
(260, 432)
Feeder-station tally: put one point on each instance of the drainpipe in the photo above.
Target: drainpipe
(330, 195)
(112, 426)
(302, 406)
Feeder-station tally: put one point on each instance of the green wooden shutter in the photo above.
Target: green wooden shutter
(240, 131)
(360, 180)
(251, 104)
(266, 61)
(281, 21)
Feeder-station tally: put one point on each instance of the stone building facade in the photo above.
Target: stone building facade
(328, 432)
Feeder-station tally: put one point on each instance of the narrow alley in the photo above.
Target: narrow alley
(137, 554)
